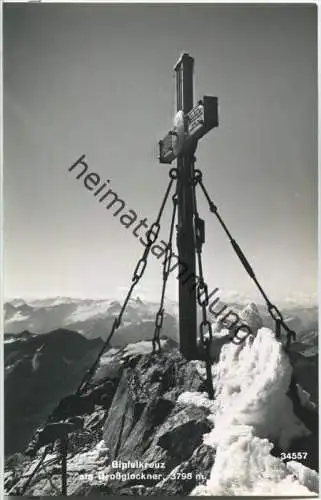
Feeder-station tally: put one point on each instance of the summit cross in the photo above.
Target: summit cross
(189, 125)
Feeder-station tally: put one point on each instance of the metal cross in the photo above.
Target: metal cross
(190, 124)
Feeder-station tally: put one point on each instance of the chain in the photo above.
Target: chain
(30, 478)
(273, 310)
(166, 270)
(237, 340)
(40, 465)
(205, 327)
(151, 235)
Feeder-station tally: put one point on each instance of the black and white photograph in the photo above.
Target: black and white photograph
(160, 249)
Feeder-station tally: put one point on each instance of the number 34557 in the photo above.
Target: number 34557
(299, 455)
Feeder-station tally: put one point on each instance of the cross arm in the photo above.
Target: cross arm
(197, 122)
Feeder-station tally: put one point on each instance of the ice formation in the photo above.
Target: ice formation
(250, 410)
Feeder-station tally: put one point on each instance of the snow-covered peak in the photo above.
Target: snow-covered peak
(16, 302)
(250, 316)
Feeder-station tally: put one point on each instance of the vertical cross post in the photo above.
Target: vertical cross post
(185, 233)
(190, 124)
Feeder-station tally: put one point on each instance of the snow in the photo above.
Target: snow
(9, 341)
(250, 316)
(244, 466)
(88, 464)
(49, 301)
(89, 460)
(251, 382)
(305, 475)
(86, 311)
(142, 347)
(17, 317)
(46, 311)
(305, 399)
(48, 458)
(250, 410)
(218, 331)
(197, 399)
(109, 356)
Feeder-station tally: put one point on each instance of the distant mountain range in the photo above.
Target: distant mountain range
(94, 318)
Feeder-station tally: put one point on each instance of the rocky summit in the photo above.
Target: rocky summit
(147, 427)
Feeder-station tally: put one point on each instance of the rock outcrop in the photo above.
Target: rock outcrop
(146, 433)
(139, 436)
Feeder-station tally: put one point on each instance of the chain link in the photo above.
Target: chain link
(202, 288)
(275, 313)
(167, 261)
(279, 322)
(206, 328)
(241, 340)
(273, 310)
(139, 271)
(153, 232)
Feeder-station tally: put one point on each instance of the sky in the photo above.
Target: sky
(98, 80)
